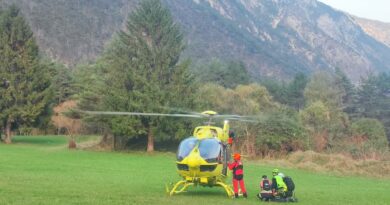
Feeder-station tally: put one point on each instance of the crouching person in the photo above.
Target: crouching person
(282, 187)
(265, 189)
(279, 188)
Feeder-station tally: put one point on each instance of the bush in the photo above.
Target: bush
(368, 137)
(281, 131)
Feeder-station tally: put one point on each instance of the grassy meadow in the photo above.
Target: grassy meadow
(41, 170)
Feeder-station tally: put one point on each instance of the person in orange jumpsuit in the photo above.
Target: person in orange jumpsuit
(238, 175)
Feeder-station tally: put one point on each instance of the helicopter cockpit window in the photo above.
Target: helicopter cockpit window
(210, 150)
(185, 147)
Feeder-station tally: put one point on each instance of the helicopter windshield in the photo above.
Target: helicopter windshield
(210, 149)
(185, 147)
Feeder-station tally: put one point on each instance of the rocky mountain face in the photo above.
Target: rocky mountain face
(73, 31)
(272, 37)
(379, 30)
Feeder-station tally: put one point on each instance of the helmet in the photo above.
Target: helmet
(275, 172)
(232, 134)
(237, 156)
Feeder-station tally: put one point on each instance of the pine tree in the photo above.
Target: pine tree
(228, 75)
(141, 72)
(349, 99)
(62, 83)
(295, 91)
(373, 99)
(24, 92)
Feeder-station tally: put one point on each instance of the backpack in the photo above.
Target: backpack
(266, 185)
(289, 183)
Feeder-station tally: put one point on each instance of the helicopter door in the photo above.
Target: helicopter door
(226, 159)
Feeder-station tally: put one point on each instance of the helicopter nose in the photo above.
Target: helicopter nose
(194, 159)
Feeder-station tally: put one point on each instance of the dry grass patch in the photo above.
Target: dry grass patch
(334, 163)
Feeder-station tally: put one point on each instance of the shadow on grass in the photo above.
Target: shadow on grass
(214, 192)
(40, 140)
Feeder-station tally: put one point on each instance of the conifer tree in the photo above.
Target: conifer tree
(63, 85)
(227, 74)
(141, 72)
(350, 97)
(373, 99)
(25, 81)
(295, 91)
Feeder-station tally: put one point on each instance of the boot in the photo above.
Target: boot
(236, 195)
(245, 195)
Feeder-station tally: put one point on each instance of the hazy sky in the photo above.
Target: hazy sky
(371, 9)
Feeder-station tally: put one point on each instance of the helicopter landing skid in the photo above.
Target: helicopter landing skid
(181, 186)
(227, 188)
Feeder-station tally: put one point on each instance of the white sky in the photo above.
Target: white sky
(371, 9)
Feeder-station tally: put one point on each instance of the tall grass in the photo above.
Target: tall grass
(337, 164)
(40, 170)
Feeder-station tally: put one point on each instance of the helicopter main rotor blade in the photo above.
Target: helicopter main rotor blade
(137, 114)
(181, 111)
(226, 116)
(236, 117)
(239, 118)
(243, 120)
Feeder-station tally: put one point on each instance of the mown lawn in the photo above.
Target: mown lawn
(41, 170)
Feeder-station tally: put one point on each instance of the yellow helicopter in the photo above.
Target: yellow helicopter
(202, 159)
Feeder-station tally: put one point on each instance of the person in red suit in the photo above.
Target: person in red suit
(238, 175)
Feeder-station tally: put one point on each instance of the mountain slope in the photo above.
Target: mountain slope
(281, 37)
(73, 31)
(272, 37)
(378, 30)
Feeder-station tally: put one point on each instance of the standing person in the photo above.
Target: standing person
(232, 135)
(279, 188)
(238, 175)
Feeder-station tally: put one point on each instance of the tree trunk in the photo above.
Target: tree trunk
(72, 144)
(108, 141)
(249, 143)
(150, 140)
(7, 137)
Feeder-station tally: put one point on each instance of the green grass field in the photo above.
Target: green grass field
(41, 170)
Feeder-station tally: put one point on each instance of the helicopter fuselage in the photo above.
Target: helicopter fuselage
(202, 159)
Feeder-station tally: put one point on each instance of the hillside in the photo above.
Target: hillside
(272, 37)
(73, 31)
(378, 30)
